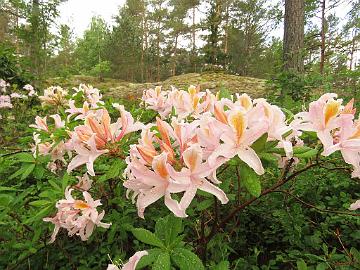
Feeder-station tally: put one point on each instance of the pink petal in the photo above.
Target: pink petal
(133, 261)
(250, 157)
(214, 190)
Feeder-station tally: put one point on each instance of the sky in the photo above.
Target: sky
(77, 13)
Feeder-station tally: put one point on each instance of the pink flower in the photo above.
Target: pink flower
(277, 126)
(15, 95)
(91, 94)
(77, 216)
(194, 176)
(80, 113)
(355, 205)
(238, 137)
(86, 154)
(348, 142)
(150, 185)
(84, 182)
(58, 122)
(40, 124)
(156, 100)
(131, 264)
(5, 101)
(321, 118)
(54, 96)
(100, 125)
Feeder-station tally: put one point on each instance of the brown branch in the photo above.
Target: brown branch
(283, 180)
(316, 208)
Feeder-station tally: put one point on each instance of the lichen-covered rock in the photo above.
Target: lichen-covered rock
(214, 81)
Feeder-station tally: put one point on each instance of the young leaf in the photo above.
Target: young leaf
(147, 237)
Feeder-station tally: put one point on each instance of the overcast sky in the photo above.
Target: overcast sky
(77, 13)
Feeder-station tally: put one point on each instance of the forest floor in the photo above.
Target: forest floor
(213, 81)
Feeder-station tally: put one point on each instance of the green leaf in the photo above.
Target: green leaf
(204, 205)
(5, 199)
(322, 266)
(38, 171)
(259, 145)
(25, 157)
(152, 256)
(304, 152)
(168, 228)
(42, 213)
(301, 265)
(39, 203)
(147, 237)
(224, 265)
(224, 93)
(114, 170)
(55, 185)
(185, 259)
(28, 168)
(355, 253)
(250, 180)
(65, 180)
(162, 262)
(8, 189)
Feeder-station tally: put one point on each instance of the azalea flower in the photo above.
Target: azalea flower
(131, 264)
(15, 95)
(193, 175)
(348, 142)
(40, 124)
(3, 85)
(157, 100)
(92, 95)
(238, 137)
(80, 113)
(54, 96)
(86, 154)
(151, 185)
(355, 205)
(84, 182)
(5, 101)
(321, 118)
(58, 122)
(77, 216)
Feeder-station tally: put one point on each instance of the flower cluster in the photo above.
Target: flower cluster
(75, 136)
(8, 95)
(77, 216)
(225, 127)
(179, 154)
(335, 126)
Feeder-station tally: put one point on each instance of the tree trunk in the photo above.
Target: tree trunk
(322, 51)
(193, 37)
(158, 53)
(35, 45)
(174, 56)
(352, 50)
(294, 36)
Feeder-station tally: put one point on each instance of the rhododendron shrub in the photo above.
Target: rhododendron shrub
(188, 160)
